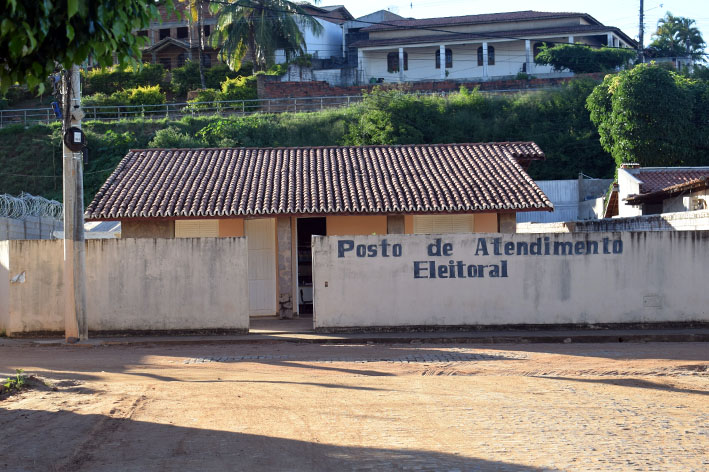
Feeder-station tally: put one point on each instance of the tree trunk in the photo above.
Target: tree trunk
(252, 48)
(200, 48)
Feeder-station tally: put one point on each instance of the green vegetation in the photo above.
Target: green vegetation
(136, 96)
(581, 59)
(186, 78)
(16, 382)
(238, 88)
(677, 36)
(653, 117)
(36, 36)
(556, 120)
(115, 79)
(258, 28)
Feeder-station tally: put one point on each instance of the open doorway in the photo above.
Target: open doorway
(305, 229)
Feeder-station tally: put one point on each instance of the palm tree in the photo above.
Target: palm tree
(196, 12)
(260, 27)
(677, 36)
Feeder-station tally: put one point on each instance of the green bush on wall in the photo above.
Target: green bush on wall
(113, 79)
(186, 78)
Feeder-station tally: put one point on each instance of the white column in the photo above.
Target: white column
(485, 71)
(442, 62)
(571, 40)
(360, 66)
(528, 55)
(609, 42)
(401, 64)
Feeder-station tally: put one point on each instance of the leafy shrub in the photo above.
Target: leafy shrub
(186, 78)
(16, 382)
(239, 88)
(114, 79)
(146, 96)
(204, 100)
(581, 59)
(171, 137)
(136, 96)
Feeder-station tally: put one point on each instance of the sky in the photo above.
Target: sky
(620, 13)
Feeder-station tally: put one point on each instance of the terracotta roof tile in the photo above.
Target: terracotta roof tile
(477, 19)
(483, 35)
(171, 183)
(662, 179)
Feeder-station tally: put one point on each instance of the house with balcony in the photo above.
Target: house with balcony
(497, 45)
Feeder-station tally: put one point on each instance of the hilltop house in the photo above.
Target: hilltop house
(473, 46)
(175, 39)
(654, 190)
(280, 197)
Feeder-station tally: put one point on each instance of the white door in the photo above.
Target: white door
(261, 234)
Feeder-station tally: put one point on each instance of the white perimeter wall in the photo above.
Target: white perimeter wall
(132, 284)
(658, 277)
(4, 285)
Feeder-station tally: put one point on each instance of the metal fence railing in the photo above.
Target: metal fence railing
(29, 116)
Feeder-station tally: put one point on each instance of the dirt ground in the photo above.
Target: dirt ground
(369, 407)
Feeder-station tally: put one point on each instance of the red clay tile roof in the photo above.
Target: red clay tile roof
(477, 19)
(171, 183)
(662, 179)
(480, 36)
(661, 194)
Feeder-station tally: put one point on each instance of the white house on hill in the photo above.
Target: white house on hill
(473, 46)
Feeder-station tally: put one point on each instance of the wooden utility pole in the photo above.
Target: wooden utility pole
(75, 324)
(641, 33)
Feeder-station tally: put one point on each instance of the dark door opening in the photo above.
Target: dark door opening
(305, 229)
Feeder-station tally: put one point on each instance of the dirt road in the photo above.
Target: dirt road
(371, 407)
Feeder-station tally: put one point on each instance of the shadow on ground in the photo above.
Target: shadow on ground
(635, 383)
(63, 441)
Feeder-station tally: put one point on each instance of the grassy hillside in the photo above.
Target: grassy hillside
(30, 159)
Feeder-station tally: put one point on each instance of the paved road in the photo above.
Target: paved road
(367, 407)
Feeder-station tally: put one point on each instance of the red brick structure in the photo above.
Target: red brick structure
(270, 87)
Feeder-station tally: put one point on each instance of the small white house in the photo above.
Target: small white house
(330, 41)
(474, 46)
(654, 190)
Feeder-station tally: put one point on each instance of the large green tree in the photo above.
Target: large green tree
(580, 59)
(259, 28)
(38, 35)
(677, 36)
(653, 117)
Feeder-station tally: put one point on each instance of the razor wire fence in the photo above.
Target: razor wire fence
(29, 205)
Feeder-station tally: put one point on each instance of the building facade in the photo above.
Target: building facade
(473, 46)
(280, 197)
(656, 190)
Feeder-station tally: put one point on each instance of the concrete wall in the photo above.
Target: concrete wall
(356, 224)
(4, 285)
(682, 221)
(134, 284)
(633, 278)
(29, 227)
(485, 223)
(147, 229)
(232, 227)
(627, 185)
